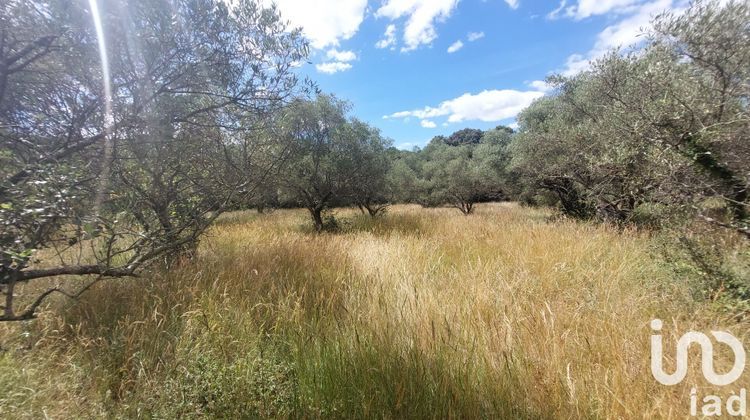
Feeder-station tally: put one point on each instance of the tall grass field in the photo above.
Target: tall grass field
(420, 313)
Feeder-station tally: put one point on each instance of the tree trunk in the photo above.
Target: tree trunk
(466, 207)
(375, 209)
(9, 288)
(573, 204)
(714, 167)
(171, 235)
(739, 201)
(316, 213)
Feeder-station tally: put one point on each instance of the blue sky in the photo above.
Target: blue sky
(420, 68)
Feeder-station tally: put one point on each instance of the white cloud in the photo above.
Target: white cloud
(402, 114)
(624, 33)
(427, 124)
(586, 8)
(488, 105)
(332, 67)
(576, 63)
(422, 15)
(455, 47)
(540, 85)
(389, 38)
(339, 61)
(324, 22)
(512, 3)
(405, 146)
(344, 56)
(556, 13)
(473, 36)
(627, 31)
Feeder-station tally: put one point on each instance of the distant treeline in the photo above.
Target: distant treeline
(650, 136)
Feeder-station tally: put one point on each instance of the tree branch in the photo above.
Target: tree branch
(75, 270)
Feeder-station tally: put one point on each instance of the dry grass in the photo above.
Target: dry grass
(423, 313)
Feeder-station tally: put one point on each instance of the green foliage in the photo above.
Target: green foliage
(370, 375)
(110, 184)
(663, 127)
(252, 386)
(332, 159)
(459, 173)
(716, 265)
(464, 137)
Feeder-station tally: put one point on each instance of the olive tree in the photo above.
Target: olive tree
(371, 190)
(456, 176)
(332, 158)
(403, 177)
(665, 126)
(109, 168)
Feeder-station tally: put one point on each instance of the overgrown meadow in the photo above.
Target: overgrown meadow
(418, 313)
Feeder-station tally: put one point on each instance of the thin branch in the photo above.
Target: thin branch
(30, 312)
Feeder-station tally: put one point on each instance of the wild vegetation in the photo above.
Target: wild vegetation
(422, 313)
(137, 282)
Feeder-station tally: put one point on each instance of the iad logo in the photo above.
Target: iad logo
(707, 356)
(736, 404)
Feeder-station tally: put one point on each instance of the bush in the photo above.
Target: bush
(251, 386)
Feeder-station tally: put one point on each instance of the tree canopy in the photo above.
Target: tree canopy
(665, 127)
(116, 166)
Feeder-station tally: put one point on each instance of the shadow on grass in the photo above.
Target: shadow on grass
(382, 225)
(362, 377)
